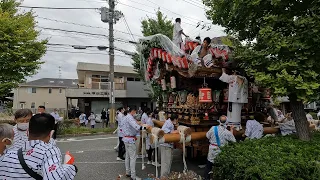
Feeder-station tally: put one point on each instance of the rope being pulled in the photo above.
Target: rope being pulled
(185, 136)
(156, 134)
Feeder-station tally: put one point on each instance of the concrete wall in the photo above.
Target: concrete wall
(41, 97)
(136, 89)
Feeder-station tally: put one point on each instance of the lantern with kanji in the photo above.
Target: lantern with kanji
(225, 95)
(205, 95)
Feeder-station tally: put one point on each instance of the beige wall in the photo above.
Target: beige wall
(41, 97)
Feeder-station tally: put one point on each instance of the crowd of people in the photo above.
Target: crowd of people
(28, 149)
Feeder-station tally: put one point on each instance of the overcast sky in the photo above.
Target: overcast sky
(190, 11)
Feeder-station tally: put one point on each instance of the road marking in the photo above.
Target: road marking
(114, 162)
(90, 150)
(80, 140)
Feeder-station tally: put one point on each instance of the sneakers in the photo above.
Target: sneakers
(149, 162)
(154, 163)
(120, 159)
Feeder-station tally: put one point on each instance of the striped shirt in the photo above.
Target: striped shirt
(21, 137)
(254, 130)
(130, 129)
(43, 158)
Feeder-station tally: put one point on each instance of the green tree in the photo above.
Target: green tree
(20, 50)
(280, 49)
(160, 25)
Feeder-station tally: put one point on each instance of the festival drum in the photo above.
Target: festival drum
(205, 95)
(225, 95)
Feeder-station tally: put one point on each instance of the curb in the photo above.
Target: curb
(83, 134)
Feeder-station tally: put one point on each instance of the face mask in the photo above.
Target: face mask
(11, 142)
(23, 126)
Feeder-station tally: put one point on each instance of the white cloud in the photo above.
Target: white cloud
(133, 16)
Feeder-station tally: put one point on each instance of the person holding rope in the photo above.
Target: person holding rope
(218, 136)
(130, 130)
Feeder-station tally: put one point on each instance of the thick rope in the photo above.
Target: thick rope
(155, 141)
(142, 149)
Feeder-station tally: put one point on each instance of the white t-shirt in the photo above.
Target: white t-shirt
(177, 36)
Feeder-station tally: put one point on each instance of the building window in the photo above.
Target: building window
(137, 79)
(33, 105)
(32, 90)
(60, 90)
(130, 79)
(50, 90)
(22, 105)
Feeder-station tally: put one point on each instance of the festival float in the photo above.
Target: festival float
(190, 87)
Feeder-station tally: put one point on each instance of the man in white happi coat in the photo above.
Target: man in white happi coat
(177, 33)
(37, 158)
(130, 129)
(238, 95)
(218, 136)
(201, 55)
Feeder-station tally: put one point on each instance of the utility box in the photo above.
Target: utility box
(105, 14)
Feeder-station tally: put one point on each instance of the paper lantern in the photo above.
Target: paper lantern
(173, 82)
(164, 56)
(154, 52)
(160, 53)
(163, 84)
(184, 63)
(179, 62)
(205, 95)
(225, 95)
(169, 58)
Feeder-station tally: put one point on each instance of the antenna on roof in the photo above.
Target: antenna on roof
(59, 72)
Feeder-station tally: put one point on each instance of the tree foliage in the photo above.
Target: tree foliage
(20, 51)
(281, 48)
(151, 26)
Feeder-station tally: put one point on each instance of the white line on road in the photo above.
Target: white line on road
(80, 140)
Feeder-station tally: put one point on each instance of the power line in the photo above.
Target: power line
(84, 25)
(128, 28)
(192, 3)
(57, 8)
(79, 52)
(146, 11)
(190, 18)
(84, 33)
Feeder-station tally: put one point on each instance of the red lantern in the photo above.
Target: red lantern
(184, 63)
(225, 95)
(155, 52)
(164, 56)
(178, 62)
(169, 58)
(160, 53)
(205, 95)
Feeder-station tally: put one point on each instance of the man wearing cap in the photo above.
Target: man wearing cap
(57, 118)
(218, 136)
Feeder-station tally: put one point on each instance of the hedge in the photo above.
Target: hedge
(280, 158)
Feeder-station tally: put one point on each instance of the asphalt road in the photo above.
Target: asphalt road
(96, 158)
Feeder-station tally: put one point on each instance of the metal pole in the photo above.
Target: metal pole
(111, 56)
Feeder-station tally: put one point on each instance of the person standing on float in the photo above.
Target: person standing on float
(238, 96)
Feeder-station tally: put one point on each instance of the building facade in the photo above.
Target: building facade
(48, 92)
(93, 91)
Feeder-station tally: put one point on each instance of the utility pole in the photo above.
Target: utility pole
(109, 15)
(111, 61)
